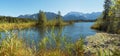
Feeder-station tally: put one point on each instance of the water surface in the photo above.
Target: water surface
(74, 31)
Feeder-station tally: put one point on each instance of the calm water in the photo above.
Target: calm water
(73, 31)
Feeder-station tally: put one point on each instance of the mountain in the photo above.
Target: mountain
(68, 16)
(49, 16)
(82, 16)
(33, 16)
(93, 15)
(74, 16)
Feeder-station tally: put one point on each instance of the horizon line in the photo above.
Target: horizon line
(53, 12)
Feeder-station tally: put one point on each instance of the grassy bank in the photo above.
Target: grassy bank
(103, 44)
(9, 26)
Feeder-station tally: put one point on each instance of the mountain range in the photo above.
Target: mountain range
(67, 17)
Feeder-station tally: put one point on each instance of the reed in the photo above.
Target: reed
(53, 45)
(9, 26)
(14, 46)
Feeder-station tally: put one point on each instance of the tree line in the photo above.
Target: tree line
(8, 19)
(42, 20)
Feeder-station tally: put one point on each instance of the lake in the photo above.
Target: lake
(74, 31)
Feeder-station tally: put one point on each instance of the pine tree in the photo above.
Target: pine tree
(59, 17)
(107, 7)
(106, 18)
(42, 18)
(112, 23)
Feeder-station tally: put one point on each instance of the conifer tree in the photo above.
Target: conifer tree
(42, 18)
(59, 17)
(107, 7)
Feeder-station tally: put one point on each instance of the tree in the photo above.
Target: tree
(106, 18)
(117, 8)
(59, 17)
(112, 22)
(107, 7)
(117, 16)
(111, 17)
(42, 18)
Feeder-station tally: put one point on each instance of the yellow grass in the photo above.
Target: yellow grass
(56, 52)
(8, 26)
(13, 46)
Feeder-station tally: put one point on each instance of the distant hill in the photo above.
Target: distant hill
(74, 16)
(82, 16)
(49, 16)
(67, 17)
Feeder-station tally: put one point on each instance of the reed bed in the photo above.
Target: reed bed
(9, 26)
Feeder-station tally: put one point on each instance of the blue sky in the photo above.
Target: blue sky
(18, 7)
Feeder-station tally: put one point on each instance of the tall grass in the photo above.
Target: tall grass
(14, 46)
(57, 45)
(53, 45)
(8, 26)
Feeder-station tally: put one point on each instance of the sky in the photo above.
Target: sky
(21, 7)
